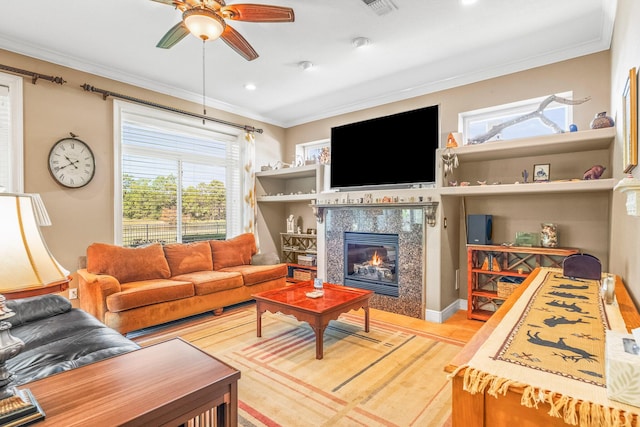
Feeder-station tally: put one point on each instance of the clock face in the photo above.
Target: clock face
(71, 163)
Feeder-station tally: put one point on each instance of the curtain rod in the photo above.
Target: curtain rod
(106, 94)
(34, 76)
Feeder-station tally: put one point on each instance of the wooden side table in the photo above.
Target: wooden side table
(165, 384)
(51, 288)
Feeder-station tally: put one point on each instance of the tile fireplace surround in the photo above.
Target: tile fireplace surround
(408, 223)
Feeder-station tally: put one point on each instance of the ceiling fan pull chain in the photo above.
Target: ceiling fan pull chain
(204, 107)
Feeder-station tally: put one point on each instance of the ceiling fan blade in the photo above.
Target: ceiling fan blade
(173, 36)
(180, 4)
(238, 43)
(170, 2)
(257, 13)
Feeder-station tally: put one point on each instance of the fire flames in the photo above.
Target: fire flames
(376, 259)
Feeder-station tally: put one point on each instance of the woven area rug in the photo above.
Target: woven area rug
(552, 345)
(391, 376)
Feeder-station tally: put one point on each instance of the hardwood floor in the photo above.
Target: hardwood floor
(456, 327)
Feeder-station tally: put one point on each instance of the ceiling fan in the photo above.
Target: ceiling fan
(206, 19)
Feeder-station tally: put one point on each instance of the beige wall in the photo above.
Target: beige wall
(585, 76)
(625, 230)
(85, 215)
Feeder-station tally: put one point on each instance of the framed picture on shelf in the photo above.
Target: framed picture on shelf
(541, 173)
(630, 122)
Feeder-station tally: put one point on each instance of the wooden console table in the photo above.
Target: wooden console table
(481, 409)
(165, 384)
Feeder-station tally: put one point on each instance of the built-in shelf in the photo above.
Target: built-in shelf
(569, 142)
(532, 188)
(293, 184)
(288, 198)
(290, 172)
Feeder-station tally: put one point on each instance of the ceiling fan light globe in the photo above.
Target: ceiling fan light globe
(203, 23)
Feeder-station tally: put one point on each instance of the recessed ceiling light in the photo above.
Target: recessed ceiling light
(305, 65)
(250, 86)
(467, 2)
(360, 42)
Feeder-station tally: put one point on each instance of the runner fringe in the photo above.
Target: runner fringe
(561, 406)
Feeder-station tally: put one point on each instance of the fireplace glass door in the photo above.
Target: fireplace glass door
(370, 262)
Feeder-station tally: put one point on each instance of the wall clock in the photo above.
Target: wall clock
(71, 163)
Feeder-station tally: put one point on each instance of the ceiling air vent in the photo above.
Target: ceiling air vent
(380, 7)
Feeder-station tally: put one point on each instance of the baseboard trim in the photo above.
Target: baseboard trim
(450, 310)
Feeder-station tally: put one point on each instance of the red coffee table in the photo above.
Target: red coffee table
(317, 312)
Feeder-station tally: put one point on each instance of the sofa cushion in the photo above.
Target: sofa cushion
(148, 292)
(37, 308)
(255, 274)
(208, 282)
(235, 251)
(128, 264)
(188, 257)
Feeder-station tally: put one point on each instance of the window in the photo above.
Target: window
(178, 180)
(311, 151)
(475, 123)
(11, 143)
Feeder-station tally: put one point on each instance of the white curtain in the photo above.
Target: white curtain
(249, 190)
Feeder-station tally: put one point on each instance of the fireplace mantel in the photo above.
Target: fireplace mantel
(429, 207)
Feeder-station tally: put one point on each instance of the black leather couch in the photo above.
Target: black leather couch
(58, 338)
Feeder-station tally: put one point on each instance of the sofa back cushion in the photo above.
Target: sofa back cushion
(128, 264)
(186, 258)
(235, 251)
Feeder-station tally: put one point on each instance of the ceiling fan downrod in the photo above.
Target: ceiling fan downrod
(204, 106)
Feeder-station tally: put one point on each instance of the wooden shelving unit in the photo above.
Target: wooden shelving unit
(512, 261)
(294, 245)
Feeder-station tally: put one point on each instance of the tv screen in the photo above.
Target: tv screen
(394, 150)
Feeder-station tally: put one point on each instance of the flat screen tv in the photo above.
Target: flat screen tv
(398, 150)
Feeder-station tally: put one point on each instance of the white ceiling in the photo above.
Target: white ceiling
(419, 47)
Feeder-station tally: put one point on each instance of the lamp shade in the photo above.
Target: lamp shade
(203, 23)
(25, 260)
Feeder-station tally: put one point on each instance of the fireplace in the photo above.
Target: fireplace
(370, 262)
(407, 223)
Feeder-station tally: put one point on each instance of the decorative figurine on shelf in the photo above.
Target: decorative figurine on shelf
(325, 156)
(549, 235)
(573, 128)
(602, 121)
(449, 157)
(290, 224)
(525, 176)
(594, 172)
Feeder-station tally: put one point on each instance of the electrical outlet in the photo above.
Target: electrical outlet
(73, 293)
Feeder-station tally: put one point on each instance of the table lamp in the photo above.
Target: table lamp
(25, 261)
(25, 265)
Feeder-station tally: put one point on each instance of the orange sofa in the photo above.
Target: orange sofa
(133, 288)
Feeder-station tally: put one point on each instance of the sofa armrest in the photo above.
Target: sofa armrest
(36, 308)
(269, 258)
(93, 290)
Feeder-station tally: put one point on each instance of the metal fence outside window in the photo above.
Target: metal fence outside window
(144, 233)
